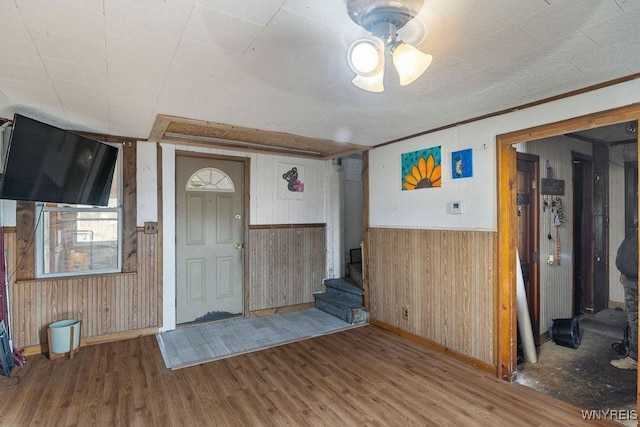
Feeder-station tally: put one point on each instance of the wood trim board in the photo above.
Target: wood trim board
(276, 226)
(200, 133)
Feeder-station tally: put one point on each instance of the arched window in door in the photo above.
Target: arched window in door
(210, 179)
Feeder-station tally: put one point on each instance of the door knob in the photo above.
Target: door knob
(238, 246)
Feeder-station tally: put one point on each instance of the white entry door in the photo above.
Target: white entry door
(209, 241)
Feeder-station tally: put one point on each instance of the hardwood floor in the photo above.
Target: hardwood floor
(363, 376)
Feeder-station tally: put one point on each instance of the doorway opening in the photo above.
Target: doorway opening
(583, 283)
(527, 200)
(563, 293)
(352, 222)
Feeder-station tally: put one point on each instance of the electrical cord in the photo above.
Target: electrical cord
(24, 254)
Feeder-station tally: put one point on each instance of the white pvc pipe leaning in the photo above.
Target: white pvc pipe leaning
(524, 319)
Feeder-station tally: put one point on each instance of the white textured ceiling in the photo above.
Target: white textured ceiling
(110, 66)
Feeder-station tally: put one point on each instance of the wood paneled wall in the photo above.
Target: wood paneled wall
(286, 264)
(446, 280)
(106, 304)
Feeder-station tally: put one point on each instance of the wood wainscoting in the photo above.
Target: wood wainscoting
(286, 264)
(446, 282)
(107, 305)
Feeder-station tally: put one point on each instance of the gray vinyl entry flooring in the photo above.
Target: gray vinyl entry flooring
(192, 345)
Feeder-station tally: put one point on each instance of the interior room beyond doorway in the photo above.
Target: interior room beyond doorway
(596, 168)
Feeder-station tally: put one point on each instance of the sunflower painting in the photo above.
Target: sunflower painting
(421, 169)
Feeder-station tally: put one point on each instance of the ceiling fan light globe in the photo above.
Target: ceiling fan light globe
(366, 57)
(371, 84)
(410, 62)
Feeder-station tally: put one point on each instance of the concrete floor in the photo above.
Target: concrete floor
(583, 377)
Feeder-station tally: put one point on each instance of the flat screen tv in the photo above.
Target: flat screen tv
(48, 164)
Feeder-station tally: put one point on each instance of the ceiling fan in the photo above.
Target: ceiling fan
(366, 56)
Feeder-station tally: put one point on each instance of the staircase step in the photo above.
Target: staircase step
(343, 289)
(347, 297)
(344, 286)
(347, 311)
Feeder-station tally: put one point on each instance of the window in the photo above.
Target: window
(210, 179)
(79, 240)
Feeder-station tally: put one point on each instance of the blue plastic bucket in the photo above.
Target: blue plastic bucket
(61, 335)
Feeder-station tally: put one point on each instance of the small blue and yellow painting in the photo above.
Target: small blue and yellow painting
(422, 169)
(462, 164)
